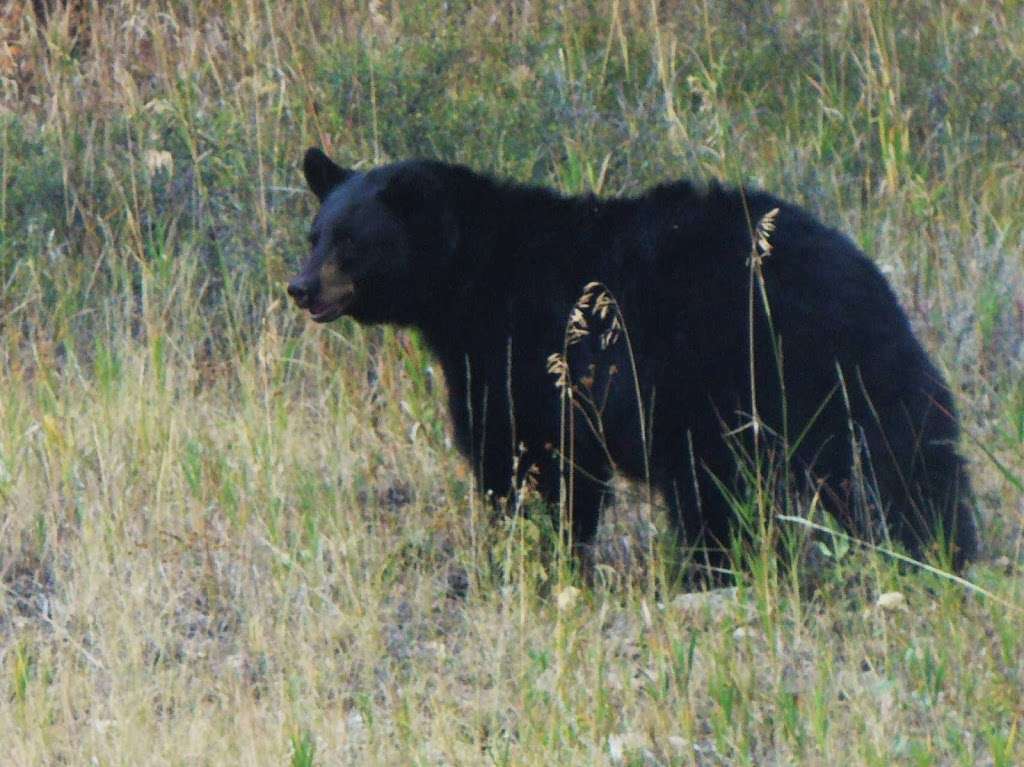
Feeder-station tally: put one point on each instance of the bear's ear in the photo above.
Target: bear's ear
(322, 173)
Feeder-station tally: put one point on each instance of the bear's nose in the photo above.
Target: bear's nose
(302, 290)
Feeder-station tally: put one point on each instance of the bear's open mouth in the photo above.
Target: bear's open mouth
(327, 311)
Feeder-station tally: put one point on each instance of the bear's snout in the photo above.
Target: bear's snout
(302, 289)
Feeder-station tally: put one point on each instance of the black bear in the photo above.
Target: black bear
(714, 324)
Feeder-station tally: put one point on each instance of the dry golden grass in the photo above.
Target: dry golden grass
(229, 537)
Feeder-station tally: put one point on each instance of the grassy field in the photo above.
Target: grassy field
(228, 536)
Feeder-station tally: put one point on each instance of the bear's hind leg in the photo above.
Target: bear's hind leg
(923, 485)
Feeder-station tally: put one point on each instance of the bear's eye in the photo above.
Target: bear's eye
(343, 242)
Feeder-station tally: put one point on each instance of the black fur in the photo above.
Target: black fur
(490, 271)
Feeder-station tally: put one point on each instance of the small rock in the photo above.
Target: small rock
(744, 632)
(891, 600)
(102, 725)
(678, 745)
(700, 603)
(566, 598)
(619, 744)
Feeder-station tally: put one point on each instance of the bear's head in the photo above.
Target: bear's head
(379, 244)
